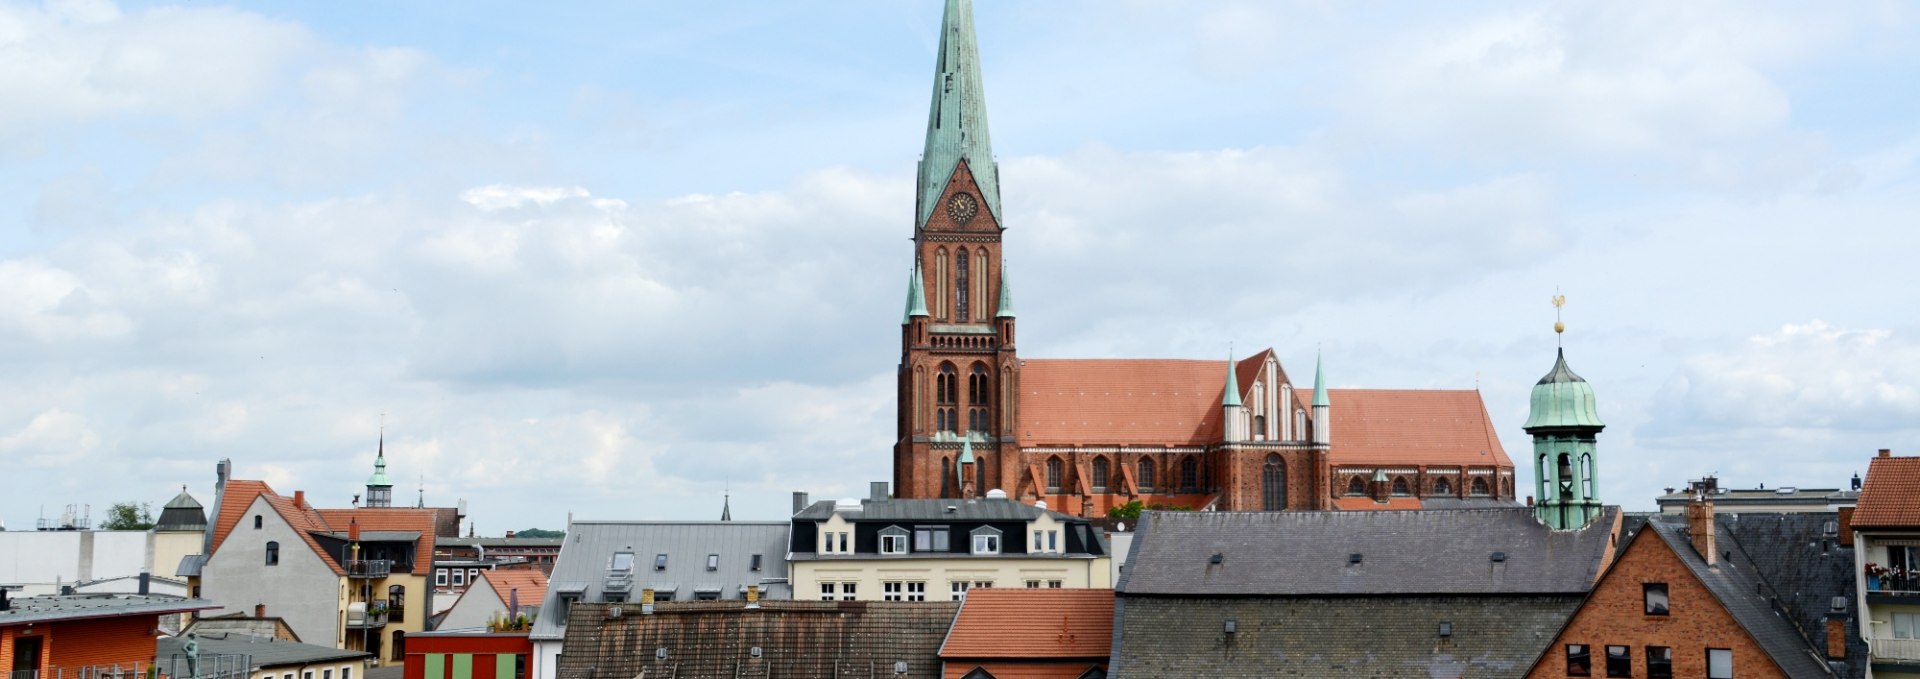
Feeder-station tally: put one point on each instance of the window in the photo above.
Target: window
(916, 591)
(1259, 427)
(1146, 474)
(473, 575)
(273, 553)
(566, 603)
(657, 597)
(1480, 487)
(1273, 484)
(706, 595)
(961, 286)
(439, 577)
(846, 590)
(1053, 541)
(1299, 424)
(1099, 474)
(622, 561)
(1619, 661)
(346, 673)
(1037, 542)
(893, 544)
(1579, 661)
(979, 396)
(1189, 474)
(1400, 487)
(940, 284)
(1719, 663)
(755, 562)
(1053, 475)
(1655, 594)
(397, 603)
(1355, 486)
(659, 562)
(459, 577)
(826, 591)
(1054, 584)
(1906, 625)
(307, 674)
(957, 590)
(930, 539)
(326, 673)
(891, 591)
(845, 548)
(713, 562)
(946, 392)
(986, 540)
(1033, 584)
(1659, 662)
(1443, 487)
(256, 522)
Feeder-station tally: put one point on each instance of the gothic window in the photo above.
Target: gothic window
(1053, 475)
(980, 475)
(1286, 402)
(1099, 474)
(979, 395)
(961, 287)
(1480, 487)
(1260, 427)
(1443, 487)
(1565, 476)
(1146, 474)
(1355, 486)
(946, 478)
(980, 285)
(1189, 475)
(1273, 484)
(940, 284)
(1400, 486)
(946, 394)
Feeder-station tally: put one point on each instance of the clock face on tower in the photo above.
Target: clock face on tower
(962, 207)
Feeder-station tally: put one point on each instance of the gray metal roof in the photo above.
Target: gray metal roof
(983, 509)
(498, 542)
(182, 513)
(1738, 586)
(590, 546)
(1400, 552)
(267, 652)
(190, 565)
(84, 606)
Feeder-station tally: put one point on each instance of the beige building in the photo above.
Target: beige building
(936, 550)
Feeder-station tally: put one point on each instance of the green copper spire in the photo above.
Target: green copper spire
(379, 478)
(1319, 384)
(1233, 387)
(957, 124)
(1562, 399)
(966, 449)
(1006, 293)
(916, 296)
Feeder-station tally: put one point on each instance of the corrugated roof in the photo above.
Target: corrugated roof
(1407, 552)
(267, 652)
(590, 547)
(1032, 623)
(1890, 497)
(1738, 588)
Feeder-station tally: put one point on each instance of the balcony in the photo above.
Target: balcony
(366, 621)
(1895, 651)
(372, 569)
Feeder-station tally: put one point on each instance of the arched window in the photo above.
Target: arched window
(1273, 484)
(1443, 487)
(1300, 424)
(1356, 486)
(1566, 476)
(946, 395)
(273, 553)
(980, 284)
(1189, 475)
(1146, 474)
(1260, 427)
(946, 477)
(940, 284)
(1099, 474)
(1480, 487)
(1586, 468)
(1400, 486)
(980, 475)
(397, 603)
(1286, 403)
(979, 396)
(1053, 475)
(256, 522)
(961, 287)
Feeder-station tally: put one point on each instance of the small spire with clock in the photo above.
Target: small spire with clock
(957, 367)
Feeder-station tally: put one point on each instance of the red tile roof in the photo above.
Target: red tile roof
(1890, 496)
(239, 496)
(1026, 623)
(1413, 426)
(394, 519)
(1362, 504)
(530, 581)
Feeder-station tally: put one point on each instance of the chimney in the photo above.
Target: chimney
(353, 530)
(509, 535)
(1846, 526)
(799, 501)
(1700, 527)
(146, 582)
(877, 491)
(1529, 500)
(260, 611)
(1836, 638)
(1886, 452)
(299, 499)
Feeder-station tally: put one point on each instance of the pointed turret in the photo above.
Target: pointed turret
(1006, 293)
(726, 507)
(916, 296)
(1565, 424)
(380, 486)
(1322, 406)
(1319, 383)
(1232, 397)
(957, 124)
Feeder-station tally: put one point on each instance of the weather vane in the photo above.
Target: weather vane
(1559, 300)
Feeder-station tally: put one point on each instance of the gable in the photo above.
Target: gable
(962, 181)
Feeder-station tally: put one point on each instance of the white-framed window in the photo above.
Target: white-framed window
(473, 575)
(1906, 625)
(847, 590)
(346, 673)
(826, 591)
(440, 577)
(957, 590)
(713, 562)
(1053, 541)
(916, 591)
(986, 543)
(1054, 584)
(1719, 663)
(326, 673)
(459, 577)
(1038, 544)
(893, 540)
(983, 584)
(1033, 584)
(892, 590)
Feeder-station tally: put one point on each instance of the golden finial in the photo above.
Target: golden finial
(1559, 328)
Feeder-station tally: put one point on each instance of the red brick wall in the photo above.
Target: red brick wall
(1616, 614)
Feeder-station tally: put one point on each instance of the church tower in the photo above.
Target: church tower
(958, 372)
(1564, 424)
(379, 486)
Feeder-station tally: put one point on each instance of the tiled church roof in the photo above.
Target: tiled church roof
(1413, 426)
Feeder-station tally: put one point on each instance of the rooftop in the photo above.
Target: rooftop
(1736, 583)
(1023, 623)
(782, 638)
(266, 651)
(38, 609)
(981, 509)
(1890, 497)
(584, 562)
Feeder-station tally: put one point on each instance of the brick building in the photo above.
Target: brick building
(1086, 435)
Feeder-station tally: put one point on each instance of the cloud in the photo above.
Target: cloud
(1811, 377)
(500, 197)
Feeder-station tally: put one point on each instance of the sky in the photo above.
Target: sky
(618, 260)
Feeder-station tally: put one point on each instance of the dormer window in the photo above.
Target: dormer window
(659, 562)
(893, 540)
(622, 561)
(986, 540)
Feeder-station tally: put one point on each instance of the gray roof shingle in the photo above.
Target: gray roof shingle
(795, 639)
(1400, 552)
(266, 651)
(85, 606)
(1806, 568)
(590, 546)
(1737, 584)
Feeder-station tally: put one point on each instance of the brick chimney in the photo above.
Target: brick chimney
(509, 535)
(1700, 527)
(353, 530)
(1886, 452)
(299, 499)
(1836, 638)
(259, 610)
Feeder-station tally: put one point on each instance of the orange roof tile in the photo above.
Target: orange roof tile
(530, 581)
(1890, 496)
(1032, 623)
(1140, 401)
(1413, 426)
(1365, 504)
(1019, 670)
(390, 518)
(240, 494)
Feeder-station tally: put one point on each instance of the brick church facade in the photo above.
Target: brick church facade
(1086, 435)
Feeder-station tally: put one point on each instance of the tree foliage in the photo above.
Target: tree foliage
(539, 533)
(128, 516)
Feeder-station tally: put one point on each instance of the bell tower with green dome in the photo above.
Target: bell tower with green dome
(379, 486)
(1564, 423)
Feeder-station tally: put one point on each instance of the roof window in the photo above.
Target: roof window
(659, 562)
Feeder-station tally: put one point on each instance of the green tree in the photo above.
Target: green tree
(128, 516)
(539, 533)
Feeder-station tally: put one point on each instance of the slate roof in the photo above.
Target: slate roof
(182, 513)
(190, 566)
(1737, 585)
(590, 546)
(1335, 636)
(1805, 569)
(266, 651)
(1890, 497)
(38, 609)
(1407, 552)
(1023, 623)
(797, 639)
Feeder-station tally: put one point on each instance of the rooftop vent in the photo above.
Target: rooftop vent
(1215, 559)
(1353, 559)
(1446, 629)
(1839, 604)
(952, 508)
(996, 494)
(755, 652)
(1786, 490)
(660, 653)
(1042, 504)
(1232, 626)
(1498, 557)
(899, 667)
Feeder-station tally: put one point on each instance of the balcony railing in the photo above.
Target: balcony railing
(1907, 650)
(209, 667)
(368, 621)
(369, 568)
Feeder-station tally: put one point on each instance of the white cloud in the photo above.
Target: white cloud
(53, 439)
(500, 197)
(1804, 377)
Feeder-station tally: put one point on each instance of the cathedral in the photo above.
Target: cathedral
(1088, 435)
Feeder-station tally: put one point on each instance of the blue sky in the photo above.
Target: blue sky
(609, 259)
